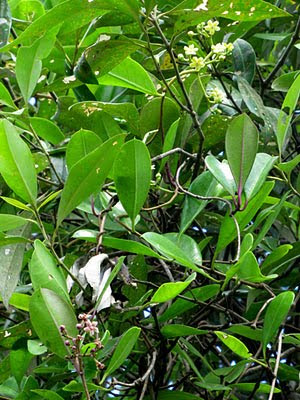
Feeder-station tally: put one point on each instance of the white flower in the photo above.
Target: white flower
(202, 6)
(190, 50)
(212, 27)
(218, 48)
(69, 79)
(197, 63)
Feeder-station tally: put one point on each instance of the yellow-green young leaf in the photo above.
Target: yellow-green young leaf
(123, 349)
(48, 312)
(16, 163)
(129, 74)
(286, 113)
(234, 344)
(45, 273)
(81, 144)
(241, 146)
(132, 176)
(16, 203)
(47, 130)
(19, 300)
(276, 313)
(5, 97)
(8, 222)
(169, 290)
(88, 175)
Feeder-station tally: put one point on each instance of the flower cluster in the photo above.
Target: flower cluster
(215, 96)
(208, 29)
(221, 50)
(87, 325)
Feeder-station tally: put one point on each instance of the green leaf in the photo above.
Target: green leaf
(132, 176)
(48, 312)
(276, 313)
(188, 245)
(5, 97)
(47, 394)
(75, 386)
(178, 395)
(123, 349)
(129, 245)
(239, 11)
(169, 142)
(103, 56)
(249, 387)
(11, 257)
(170, 250)
(244, 59)
(228, 230)
(16, 203)
(276, 255)
(170, 290)
(222, 173)
(249, 270)
(285, 81)
(19, 359)
(204, 185)
(47, 130)
(35, 347)
(234, 344)
(45, 273)
(126, 111)
(241, 147)
(262, 165)
(8, 222)
(87, 175)
(180, 306)
(16, 163)
(177, 330)
(19, 301)
(246, 331)
(129, 74)
(288, 166)
(286, 113)
(80, 145)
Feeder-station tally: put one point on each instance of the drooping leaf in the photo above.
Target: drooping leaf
(234, 344)
(123, 349)
(87, 175)
(168, 291)
(132, 176)
(80, 145)
(244, 59)
(48, 312)
(276, 312)
(45, 273)
(241, 147)
(16, 163)
(129, 74)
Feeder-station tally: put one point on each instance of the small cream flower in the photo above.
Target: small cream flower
(202, 6)
(212, 27)
(215, 96)
(197, 63)
(190, 50)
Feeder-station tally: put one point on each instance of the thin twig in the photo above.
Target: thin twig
(277, 363)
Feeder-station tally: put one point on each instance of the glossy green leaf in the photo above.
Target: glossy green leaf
(228, 230)
(87, 175)
(103, 56)
(19, 360)
(5, 97)
(239, 11)
(129, 74)
(169, 142)
(19, 301)
(80, 145)
(130, 246)
(170, 250)
(241, 147)
(244, 59)
(262, 165)
(132, 176)
(16, 163)
(249, 270)
(16, 203)
(286, 113)
(48, 312)
(11, 257)
(35, 347)
(285, 81)
(249, 387)
(47, 394)
(45, 273)
(276, 255)
(123, 349)
(47, 130)
(222, 173)
(177, 330)
(288, 166)
(276, 313)
(234, 344)
(204, 185)
(8, 222)
(170, 290)
(126, 111)
(188, 245)
(246, 331)
(180, 306)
